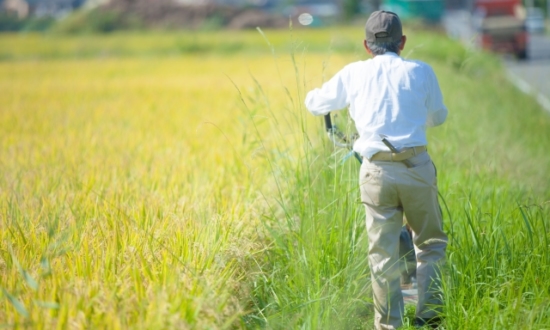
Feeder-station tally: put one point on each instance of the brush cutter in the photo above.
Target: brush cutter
(340, 140)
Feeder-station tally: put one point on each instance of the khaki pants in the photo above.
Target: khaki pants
(388, 189)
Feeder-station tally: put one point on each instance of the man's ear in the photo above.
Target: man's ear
(367, 47)
(403, 41)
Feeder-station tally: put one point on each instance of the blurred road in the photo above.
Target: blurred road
(538, 47)
(532, 76)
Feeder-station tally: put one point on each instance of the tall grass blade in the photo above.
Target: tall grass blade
(527, 224)
(473, 231)
(31, 282)
(17, 304)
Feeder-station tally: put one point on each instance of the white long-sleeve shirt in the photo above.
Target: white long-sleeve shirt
(385, 95)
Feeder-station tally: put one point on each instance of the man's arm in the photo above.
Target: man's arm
(437, 111)
(331, 96)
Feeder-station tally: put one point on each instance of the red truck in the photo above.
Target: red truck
(500, 26)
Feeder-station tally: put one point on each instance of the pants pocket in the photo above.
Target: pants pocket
(419, 160)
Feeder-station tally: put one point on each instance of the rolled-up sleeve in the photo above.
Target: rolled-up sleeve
(331, 96)
(437, 111)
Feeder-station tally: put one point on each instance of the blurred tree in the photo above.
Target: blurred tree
(350, 8)
(368, 6)
(543, 4)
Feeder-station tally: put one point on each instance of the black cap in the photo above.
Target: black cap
(383, 26)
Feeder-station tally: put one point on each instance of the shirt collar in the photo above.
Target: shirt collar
(389, 54)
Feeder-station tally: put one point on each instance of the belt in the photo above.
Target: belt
(404, 154)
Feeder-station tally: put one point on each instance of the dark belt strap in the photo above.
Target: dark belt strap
(404, 154)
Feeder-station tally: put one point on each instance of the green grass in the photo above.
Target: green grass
(176, 181)
(492, 165)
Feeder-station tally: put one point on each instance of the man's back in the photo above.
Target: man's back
(385, 95)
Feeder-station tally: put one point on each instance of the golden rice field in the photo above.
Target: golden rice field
(175, 181)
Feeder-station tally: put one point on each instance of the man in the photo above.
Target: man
(388, 96)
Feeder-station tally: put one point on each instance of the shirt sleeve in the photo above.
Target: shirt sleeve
(437, 111)
(330, 97)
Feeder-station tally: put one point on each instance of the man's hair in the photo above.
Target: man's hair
(380, 48)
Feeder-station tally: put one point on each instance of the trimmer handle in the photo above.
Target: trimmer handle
(328, 123)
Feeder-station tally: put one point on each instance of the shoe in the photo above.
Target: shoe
(433, 323)
(408, 282)
(405, 279)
